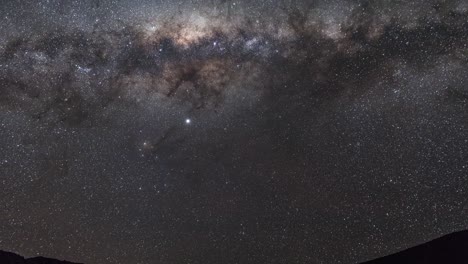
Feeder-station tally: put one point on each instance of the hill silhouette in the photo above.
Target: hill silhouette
(12, 258)
(452, 248)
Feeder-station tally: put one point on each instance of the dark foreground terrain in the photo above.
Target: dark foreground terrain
(11, 258)
(452, 248)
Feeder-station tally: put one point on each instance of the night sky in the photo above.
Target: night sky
(225, 131)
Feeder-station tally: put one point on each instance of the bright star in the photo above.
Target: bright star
(188, 121)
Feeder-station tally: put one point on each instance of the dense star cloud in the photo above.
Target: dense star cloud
(229, 131)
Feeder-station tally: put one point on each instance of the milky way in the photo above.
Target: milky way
(231, 132)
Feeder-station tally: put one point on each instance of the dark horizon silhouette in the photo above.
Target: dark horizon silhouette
(13, 258)
(451, 248)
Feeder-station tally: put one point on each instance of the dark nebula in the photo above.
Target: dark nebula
(231, 131)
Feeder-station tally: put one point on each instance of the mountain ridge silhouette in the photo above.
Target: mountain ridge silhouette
(451, 248)
(13, 258)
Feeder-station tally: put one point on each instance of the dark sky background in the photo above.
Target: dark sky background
(229, 131)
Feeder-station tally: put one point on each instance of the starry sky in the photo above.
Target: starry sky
(231, 131)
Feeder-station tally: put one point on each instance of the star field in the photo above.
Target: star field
(225, 131)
